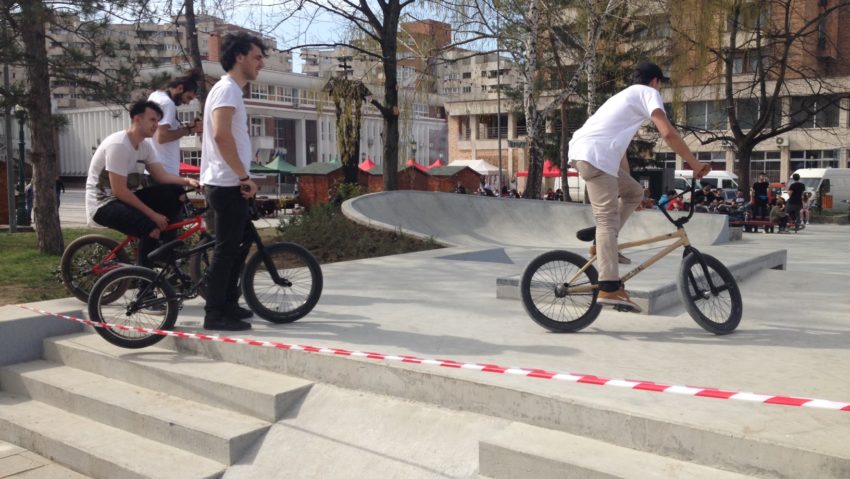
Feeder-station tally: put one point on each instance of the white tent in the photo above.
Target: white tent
(482, 167)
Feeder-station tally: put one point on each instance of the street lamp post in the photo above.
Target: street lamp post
(23, 217)
(413, 149)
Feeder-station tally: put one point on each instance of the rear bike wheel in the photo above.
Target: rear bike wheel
(545, 296)
(200, 262)
(717, 312)
(82, 265)
(144, 303)
(282, 303)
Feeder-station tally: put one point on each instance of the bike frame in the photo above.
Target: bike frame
(681, 240)
(197, 225)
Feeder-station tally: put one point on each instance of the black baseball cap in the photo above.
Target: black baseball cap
(645, 72)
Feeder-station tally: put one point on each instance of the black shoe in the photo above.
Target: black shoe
(237, 312)
(226, 325)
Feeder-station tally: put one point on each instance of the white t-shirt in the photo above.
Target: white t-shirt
(166, 153)
(214, 170)
(117, 155)
(603, 139)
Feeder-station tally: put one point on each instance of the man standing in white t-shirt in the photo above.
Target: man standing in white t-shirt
(166, 141)
(225, 162)
(598, 151)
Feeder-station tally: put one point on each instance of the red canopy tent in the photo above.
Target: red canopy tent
(436, 164)
(367, 165)
(550, 170)
(187, 169)
(413, 163)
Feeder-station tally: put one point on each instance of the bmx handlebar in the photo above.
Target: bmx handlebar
(680, 221)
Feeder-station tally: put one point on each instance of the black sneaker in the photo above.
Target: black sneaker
(226, 325)
(237, 312)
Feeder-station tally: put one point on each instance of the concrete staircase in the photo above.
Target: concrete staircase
(106, 412)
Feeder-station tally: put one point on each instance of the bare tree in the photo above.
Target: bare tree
(34, 23)
(766, 52)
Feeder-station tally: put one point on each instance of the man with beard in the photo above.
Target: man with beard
(225, 163)
(166, 141)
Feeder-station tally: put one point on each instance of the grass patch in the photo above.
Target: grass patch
(332, 237)
(27, 275)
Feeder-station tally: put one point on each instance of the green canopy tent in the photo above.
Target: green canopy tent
(259, 169)
(281, 167)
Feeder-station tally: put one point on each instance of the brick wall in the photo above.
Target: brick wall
(447, 184)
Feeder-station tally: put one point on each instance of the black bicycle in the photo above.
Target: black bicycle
(559, 288)
(281, 283)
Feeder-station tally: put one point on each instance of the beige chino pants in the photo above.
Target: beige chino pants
(613, 199)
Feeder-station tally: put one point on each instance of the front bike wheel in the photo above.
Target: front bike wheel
(544, 289)
(144, 303)
(717, 311)
(82, 265)
(288, 302)
(200, 262)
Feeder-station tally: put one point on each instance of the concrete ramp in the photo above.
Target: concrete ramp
(467, 220)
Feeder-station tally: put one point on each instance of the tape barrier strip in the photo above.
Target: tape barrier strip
(486, 368)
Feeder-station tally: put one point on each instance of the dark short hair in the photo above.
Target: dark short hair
(189, 81)
(645, 72)
(796, 177)
(140, 106)
(238, 43)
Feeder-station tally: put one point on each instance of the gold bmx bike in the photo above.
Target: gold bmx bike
(559, 288)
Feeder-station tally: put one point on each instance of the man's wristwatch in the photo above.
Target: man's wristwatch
(245, 179)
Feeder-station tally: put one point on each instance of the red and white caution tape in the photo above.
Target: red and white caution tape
(486, 368)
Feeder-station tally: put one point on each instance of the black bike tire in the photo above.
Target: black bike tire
(126, 275)
(726, 283)
(256, 304)
(199, 263)
(69, 256)
(533, 309)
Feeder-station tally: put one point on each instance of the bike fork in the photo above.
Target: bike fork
(705, 272)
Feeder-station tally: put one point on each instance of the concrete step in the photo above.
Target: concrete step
(207, 431)
(92, 448)
(262, 394)
(656, 293)
(521, 451)
(626, 418)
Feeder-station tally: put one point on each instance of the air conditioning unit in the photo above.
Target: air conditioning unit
(782, 141)
(726, 144)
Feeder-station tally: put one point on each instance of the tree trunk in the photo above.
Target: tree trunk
(743, 156)
(529, 98)
(593, 22)
(390, 112)
(564, 153)
(194, 50)
(34, 17)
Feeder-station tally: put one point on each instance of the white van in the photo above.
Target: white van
(833, 181)
(717, 179)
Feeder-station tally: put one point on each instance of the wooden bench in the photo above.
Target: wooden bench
(752, 226)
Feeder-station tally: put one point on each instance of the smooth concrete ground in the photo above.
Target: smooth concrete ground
(441, 304)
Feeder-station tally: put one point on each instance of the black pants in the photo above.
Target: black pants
(231, 220)
(760, 209)
(164, 199)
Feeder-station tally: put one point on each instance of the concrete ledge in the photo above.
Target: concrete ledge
(22, 331)
(468, 220)
(654, 298)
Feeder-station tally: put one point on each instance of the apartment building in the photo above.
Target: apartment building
(818, 61)
(164, 43)
(288, 113)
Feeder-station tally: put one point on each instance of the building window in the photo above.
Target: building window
(814, 159)
(259, 91)
(815, 111)
(666, 160)
(706, 115)
(258, 126)
(467, 75)
(420, 110)
(192, 157)
(467, 89)
(717, 159)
